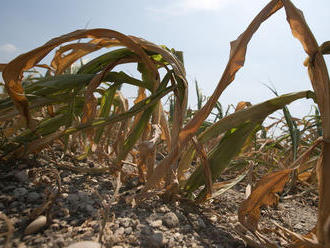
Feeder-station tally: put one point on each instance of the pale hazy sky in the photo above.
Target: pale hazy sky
(201, 29)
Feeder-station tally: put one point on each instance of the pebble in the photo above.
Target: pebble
(170, 219)
(36, 225)
(214, 218)
(156, 240)
(90, 209)
(201, 223)
(128, 230)
(14, 204)
(84, 197)
(20, 192)
(59, 241)
(125, 222)
(178, 236)
(73, 198)
(65, 195)
(164, 209)
(146, 230)
(55, 226)
(85, 244)
(33, 196)
(22, 176)
(156, 223)
(120, 231)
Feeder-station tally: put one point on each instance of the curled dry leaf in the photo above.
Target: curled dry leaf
(264, 193)
(236, 61)
(319, 77)
(77, 50)
(12, 73)
(299, 241)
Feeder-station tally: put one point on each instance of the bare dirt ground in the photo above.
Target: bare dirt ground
(84, 210)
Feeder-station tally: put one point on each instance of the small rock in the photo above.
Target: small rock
(66, 179)
(22, 176)
(125, 222)
(180, 216)
(233, 219)
(14, 204)
(90, 209)
(178, 236)
(85, 197)
(120, 231)
(128, 230)
(171, 242)
(9, 188)
(156, 240)
(36, 225)
(201, 223)
(170, 219)
(164, 209)
(33, 196)
(156, 223)
(65, 195)
(213, 218)
(55, 226)
(186, 228)
(146, 230)
(85, 244)
(59, 241)
(73, 198)
(20, 192)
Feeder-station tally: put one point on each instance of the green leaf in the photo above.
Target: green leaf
(220, 156)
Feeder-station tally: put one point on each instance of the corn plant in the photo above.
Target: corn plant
(87, 106)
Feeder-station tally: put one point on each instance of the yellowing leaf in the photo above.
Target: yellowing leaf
(263, 194)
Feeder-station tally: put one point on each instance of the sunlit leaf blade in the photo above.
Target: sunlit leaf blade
(293, 130)
(256, 112)
(199, 96)
(99, 63)
(236, 61)
(105, 107)
(66, 55)
(220, 156)
(58, 89)
(135, 134)
(221, 187)
(137, 108)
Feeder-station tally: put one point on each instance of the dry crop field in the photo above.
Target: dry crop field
(79, 163)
